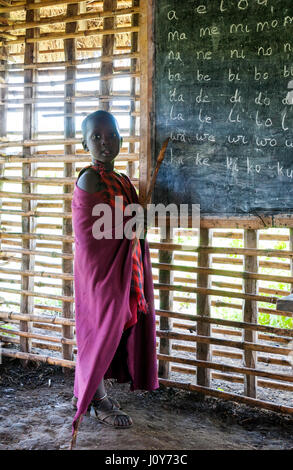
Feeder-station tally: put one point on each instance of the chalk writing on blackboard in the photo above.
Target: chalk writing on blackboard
(223, 87)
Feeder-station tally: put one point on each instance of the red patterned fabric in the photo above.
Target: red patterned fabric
(117, 184)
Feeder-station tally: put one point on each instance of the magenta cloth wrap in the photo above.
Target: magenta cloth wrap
(103, 305)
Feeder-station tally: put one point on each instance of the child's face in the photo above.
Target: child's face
(103, 140)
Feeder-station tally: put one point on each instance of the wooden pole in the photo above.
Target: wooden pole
(28, 261)
(108, 41)
(38, 358)
(133, 84)
(291, 259)
(59, 35)
(146, 71)
(250, 310)
(69, 171)
(203, 307)
(45, 3)
(82, 17)
(3, 116)
(56, 65)
(166, 303)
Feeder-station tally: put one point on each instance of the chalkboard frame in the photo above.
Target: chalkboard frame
(147, 144)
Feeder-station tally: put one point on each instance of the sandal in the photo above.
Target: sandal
(113, 413)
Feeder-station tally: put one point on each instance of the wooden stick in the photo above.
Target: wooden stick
(291, 260)
(47, 65)
(228, 396)
(66, 19)
(217, 292)
(5, 3)
(27, 204)
(224, 272)
(69, 170)
(49, 275)
(146, 201)
(223, 342)
(3, 117)
(95, 77)
(166, 303)
(38, 358)
(78, 34)
(237, 379)
(233, 261)
(251, 372)
(45, 3)
(233, 323)
(159, 161)
(38, 143)
(225, 250)
(274, 385)
(91, 97)
(250, 310)
(37, 318)
(29, 335)
(108, 41)
(134, 67)
(203, 307)
(39, 180)
(61, 158)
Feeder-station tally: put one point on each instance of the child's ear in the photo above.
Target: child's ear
(84, 145)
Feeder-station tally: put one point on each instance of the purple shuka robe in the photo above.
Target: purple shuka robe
(102, 279)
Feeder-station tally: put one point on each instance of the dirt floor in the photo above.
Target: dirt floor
(35, 413)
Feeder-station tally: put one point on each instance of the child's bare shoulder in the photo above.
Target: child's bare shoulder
(90, 181)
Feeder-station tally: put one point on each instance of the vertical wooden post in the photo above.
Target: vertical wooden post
(291, 259)
(166, 301)
(250, 310)
(146, 49)
(34, 135)
(203, 307)
(69, 170)
(28, 261)
(108, 41)
(133, 67)
(3, 116)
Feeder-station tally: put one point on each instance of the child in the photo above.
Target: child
(114, 299)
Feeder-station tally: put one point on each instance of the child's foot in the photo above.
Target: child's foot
(107, 413)
(115, 403)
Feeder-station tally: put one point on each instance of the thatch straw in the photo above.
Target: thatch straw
(90, 43)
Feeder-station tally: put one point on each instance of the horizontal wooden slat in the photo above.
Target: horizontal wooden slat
(226, 368)
(222, 342)
(65, 19)
(228, 396)
(78, 34)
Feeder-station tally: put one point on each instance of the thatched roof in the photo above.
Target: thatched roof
(16, 19)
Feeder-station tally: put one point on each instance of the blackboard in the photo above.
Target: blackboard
(223, 71)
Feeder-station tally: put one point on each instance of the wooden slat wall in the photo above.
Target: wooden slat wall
(198, 277)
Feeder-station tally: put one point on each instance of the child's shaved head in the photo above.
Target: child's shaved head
(98, 116)
(101, 136)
